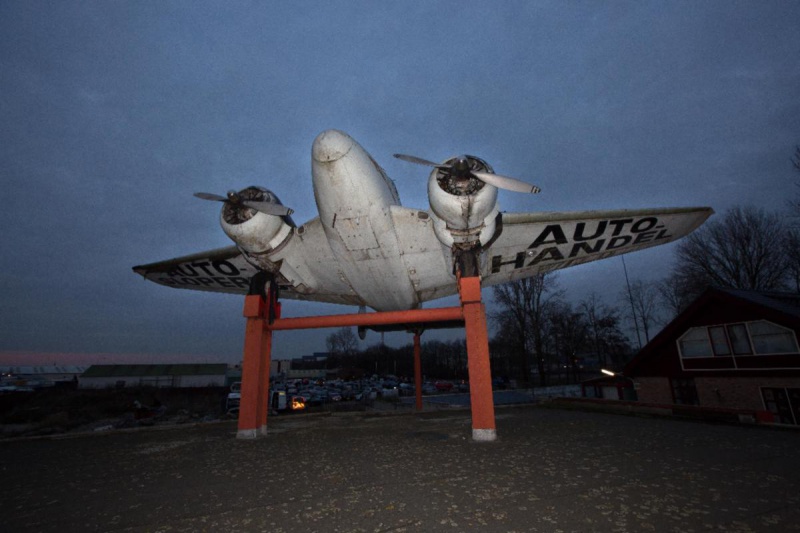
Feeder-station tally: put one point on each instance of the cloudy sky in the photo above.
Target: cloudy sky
(113, 113)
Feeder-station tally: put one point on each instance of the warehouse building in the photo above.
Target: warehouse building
(176, 376)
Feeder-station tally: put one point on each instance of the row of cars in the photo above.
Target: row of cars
(295, 395)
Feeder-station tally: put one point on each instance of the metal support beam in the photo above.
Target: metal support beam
(414, 316)
(478, 366)
(253, 405)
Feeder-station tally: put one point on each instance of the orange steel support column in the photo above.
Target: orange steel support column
(480, 376)
(436, 314)
(255, 370)
(417, 371)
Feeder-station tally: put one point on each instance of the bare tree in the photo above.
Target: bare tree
(444, 359)
(745, 249)
(571, 332)
(523, 305)
(642, 306)
(674, 295)
(342, 344)
(793, 252)
(793, 243)
(605, 338)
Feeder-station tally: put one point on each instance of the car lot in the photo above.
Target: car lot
(550, 470)
(316, 393)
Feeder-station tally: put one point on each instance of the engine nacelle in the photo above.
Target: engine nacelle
(464, 211)
(253, 231)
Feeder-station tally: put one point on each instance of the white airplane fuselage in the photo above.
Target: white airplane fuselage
(354, 196)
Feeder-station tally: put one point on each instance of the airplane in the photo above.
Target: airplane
(365, 249)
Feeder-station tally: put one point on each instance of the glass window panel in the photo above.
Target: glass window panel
(719, 341)
(695, 343)
(684, 391)
(737, 334)
(769, 338)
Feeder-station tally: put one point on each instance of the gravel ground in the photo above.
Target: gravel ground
(550, 471)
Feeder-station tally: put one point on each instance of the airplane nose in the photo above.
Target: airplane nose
(331, 145)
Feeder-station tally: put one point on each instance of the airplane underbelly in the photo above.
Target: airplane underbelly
(368, 253)
(356, 234)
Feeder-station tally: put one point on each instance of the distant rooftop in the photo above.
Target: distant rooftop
(106, 371)
(786, 302)
(37, 370)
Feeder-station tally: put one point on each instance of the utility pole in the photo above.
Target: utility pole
(630, 297)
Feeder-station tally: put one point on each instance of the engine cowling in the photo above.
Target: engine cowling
(253, 231)
(464, 211)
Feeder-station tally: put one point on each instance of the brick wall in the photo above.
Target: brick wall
(738, 393)
(653, 390)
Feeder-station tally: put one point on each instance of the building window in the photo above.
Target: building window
(759, 337)
(737, 333)
(719, 341)
(783, 403)
(694, 343)
(684, 391)
(769, 338)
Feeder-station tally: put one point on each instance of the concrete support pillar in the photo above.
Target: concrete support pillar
(254, 406)
(417, 371)
(478, 366)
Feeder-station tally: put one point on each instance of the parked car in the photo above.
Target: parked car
(407, 389)
(429, 388)
(334, 396)
(234, 398)
(393, 392)
(443, 386)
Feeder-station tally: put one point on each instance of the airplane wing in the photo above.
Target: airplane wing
(220, 270)
(306, 270)
(532, 243)
(527, 244)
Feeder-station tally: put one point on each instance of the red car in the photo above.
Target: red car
(443, 386)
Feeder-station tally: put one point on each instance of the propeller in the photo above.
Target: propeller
(234, 198)
(460, 168)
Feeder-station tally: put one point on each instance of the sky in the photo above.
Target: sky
(112, 114)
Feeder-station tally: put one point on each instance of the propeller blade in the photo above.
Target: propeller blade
(504, 182)
(268, 208)
(419, 161)
(209, 196)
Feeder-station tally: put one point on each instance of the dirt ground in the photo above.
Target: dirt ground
(550, 470)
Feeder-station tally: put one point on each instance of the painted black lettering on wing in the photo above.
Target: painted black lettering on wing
(581, 226)
(618, 242)
(203, 265)
(225, 268)
(585, 247)
(183, 270)
(234, 282)
(242, 283)
(548, 254)
(552, 234)
(644, 224)
(599, 239)
(618, 225)
(192, 270)
(498, 263)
